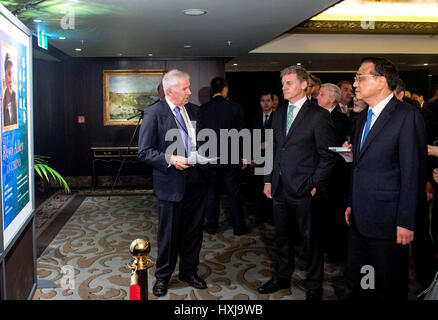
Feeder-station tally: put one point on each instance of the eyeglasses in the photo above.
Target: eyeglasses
(359, 77)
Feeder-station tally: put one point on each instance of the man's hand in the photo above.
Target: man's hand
(347, 215)
(348, 145)
(179, 162)
(435, 175)
(244, 164)
(430, 191)
(404, 236)
(313, 192)
(432, 150)
(267, 190)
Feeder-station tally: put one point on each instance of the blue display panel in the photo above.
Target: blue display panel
(16, 144)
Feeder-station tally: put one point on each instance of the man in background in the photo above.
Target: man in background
(220, 113)
(262, 121)
(332, 206)
(346, 96)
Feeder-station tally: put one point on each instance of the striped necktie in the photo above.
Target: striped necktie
(289, 117)
(182, 129)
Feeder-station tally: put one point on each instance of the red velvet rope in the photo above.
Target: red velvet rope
(134, 292)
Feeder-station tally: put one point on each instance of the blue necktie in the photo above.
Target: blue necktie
(182, 129)
(367, 126)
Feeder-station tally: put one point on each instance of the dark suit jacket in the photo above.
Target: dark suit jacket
(387, 178)
(302, 156)
(220, 113)
(341, 123)
(257, 123)
(169, 183)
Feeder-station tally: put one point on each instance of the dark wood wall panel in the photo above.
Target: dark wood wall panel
(19, 267)
(71, 88)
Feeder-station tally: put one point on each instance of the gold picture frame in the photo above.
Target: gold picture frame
(128, 92)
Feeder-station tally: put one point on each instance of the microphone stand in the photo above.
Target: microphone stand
(127, 151)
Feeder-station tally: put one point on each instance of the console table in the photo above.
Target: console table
(110, 154)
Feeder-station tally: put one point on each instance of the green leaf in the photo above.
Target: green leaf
(49, 174)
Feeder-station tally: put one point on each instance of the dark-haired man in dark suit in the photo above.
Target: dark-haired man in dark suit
(386, 185)
(262, 121)
(302, 166)
(218, 114)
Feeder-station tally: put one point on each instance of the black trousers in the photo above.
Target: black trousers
(434, 223)
(230, 176)
(300, 212)
(389, 261)
(180, 229)
(423, 251)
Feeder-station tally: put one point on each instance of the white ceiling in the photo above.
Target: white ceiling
(136, 28)
(255, 29)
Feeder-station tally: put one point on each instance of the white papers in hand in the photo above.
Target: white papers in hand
(342, 151)
(195, 158)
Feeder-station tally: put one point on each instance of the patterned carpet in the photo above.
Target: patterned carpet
(88, 258)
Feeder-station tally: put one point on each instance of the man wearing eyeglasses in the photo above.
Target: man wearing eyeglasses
(385, 187)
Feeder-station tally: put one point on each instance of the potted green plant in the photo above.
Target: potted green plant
(47, 173)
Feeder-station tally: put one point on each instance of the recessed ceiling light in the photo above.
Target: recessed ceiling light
(37, 20)
(298, 63)
(426, 64)
(78, 49)
(187, 46)
(194, 12)
(61, 38)
(235, 64)
(150, 54)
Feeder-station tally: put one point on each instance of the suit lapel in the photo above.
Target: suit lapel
(378, 125)
(300, 116)
(283, 121)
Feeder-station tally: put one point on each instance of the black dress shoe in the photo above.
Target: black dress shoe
(194, 281)
(314, 295)
(274, 285)
(241, 231)
(160, 288)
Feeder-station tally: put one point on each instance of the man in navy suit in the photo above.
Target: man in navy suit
(302, 166)
(386, 185)
(179, 187)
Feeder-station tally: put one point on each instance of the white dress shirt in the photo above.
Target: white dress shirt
(297, 108)
(189, 124)
(377, 110)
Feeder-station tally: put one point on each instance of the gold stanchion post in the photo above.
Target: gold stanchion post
(139, 250)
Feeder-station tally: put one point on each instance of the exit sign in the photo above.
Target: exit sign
(42, 40)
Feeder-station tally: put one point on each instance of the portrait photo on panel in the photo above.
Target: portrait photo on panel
(9, 87)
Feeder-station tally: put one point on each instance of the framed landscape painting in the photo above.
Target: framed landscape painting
(128, 92)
